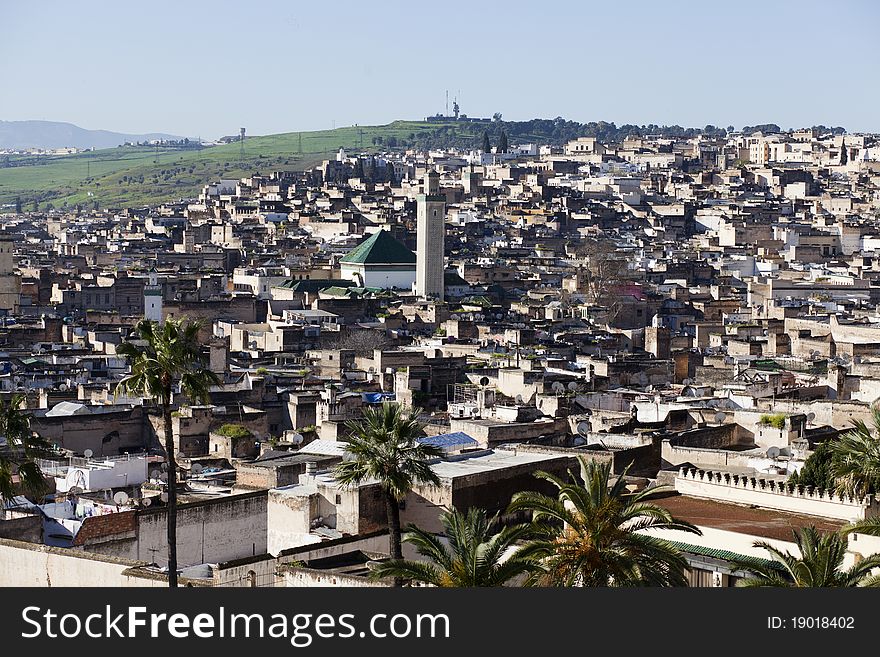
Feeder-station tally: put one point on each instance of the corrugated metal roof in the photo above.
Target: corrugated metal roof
(455, 439)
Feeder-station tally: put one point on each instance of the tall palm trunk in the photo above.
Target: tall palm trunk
(172, 496)
(393, 511)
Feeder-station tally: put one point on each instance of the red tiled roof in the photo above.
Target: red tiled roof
(100, 526)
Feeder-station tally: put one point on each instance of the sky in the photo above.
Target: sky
(195, 68)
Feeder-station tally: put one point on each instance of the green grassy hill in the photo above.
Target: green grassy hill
(132, 176)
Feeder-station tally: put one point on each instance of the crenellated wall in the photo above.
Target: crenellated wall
(773, 494)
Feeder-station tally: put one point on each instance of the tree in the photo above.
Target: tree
(35, 206)
(475, 555)
(389, 172)
(820, 564)
(17, 205)
(855, 458)
(590, 534)
(502, 142)
(161, 356)
(496, 117)
(487, 146)
(844, 158)
(817, 470)
(384, 446)
(20, 449)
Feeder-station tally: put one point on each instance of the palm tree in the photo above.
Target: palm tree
(855, 460)
(384, 446)
(475, 555)
(590, 534)
(160, 356)
(19, 450)
(819, 565)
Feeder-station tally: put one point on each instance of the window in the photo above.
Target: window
(338, 498)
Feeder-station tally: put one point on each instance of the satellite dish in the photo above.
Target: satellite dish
(146, 501)
(62, 387)
(772, 452)
(155, 473)
(88, 453)
(811, 417)
(76, 490)
(720, 417)
(163, 476)
(164, 466)
(196, 468)
(573, 386)
(583, 428)
(649, 388)
(519, 399)
(121, 497)
(557, 387)
(484, 380)
(686, 382)
(164, 497)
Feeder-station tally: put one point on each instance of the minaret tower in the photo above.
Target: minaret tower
(430, 234)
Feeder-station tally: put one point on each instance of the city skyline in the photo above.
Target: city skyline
(303, 68)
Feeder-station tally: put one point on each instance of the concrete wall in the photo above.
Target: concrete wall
(26, 564)
(210, 531)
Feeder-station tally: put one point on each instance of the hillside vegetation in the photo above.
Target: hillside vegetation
(134, 176)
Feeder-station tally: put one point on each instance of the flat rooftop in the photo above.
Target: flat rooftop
(488, 460)
(763, 523)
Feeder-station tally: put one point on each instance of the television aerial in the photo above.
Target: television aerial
(120, 498)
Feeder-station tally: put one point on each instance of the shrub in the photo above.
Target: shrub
(234, 431)
(777, 420)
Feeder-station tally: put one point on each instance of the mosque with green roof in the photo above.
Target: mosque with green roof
(380, 261)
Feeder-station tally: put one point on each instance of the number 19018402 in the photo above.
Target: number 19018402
(811, 623)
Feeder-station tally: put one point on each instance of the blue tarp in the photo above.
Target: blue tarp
(377, 397)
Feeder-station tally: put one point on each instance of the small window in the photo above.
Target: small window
(338, 498)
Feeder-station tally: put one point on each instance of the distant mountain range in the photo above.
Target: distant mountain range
(52, 134)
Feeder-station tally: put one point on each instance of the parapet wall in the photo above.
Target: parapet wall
(773, 494)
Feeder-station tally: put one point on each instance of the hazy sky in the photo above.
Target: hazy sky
(206, 68)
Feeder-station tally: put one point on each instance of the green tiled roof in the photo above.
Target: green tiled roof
(380, 248)
(722, 555)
